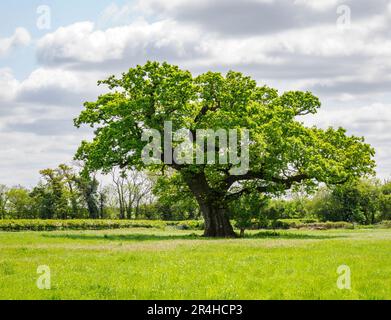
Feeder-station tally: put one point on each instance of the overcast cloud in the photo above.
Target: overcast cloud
(297, 44)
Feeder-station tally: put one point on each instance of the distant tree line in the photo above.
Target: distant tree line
(362, 202)
(67, 192)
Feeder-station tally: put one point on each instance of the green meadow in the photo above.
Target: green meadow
(173, 264)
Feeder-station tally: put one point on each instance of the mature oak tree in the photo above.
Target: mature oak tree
(283, 152)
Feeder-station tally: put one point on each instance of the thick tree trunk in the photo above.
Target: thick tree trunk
(212, 207)
(217, 223)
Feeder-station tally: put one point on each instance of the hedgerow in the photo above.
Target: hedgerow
(299, 224)
(86, 224)
(52, 225)
(311, 224)
(385, 224)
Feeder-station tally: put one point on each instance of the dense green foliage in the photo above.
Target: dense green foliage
(282, 152)
(175, 200)
(248, 211)
(62, 193)
(363, 202)
(146, 96)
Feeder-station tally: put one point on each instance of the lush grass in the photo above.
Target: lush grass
(172, 264)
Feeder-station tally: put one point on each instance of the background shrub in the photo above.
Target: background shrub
(90, 224)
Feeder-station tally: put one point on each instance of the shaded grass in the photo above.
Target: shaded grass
(157, 264)
(192, 236)
(123, 237)
(290, 235)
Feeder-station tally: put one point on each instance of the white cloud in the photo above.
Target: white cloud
(232, 18)
(21, 37)
(82, 43)
(114, 14)
(24, 154)
(36, 128)
(55, 86)
(8, 85)
(319, 4)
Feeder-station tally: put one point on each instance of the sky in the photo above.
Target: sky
(53, 53)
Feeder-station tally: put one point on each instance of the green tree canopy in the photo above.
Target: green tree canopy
(282, 151)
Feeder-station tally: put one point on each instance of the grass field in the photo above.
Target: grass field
(157, 264)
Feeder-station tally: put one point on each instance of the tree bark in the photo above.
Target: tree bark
(217, 224)
(213, 209)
